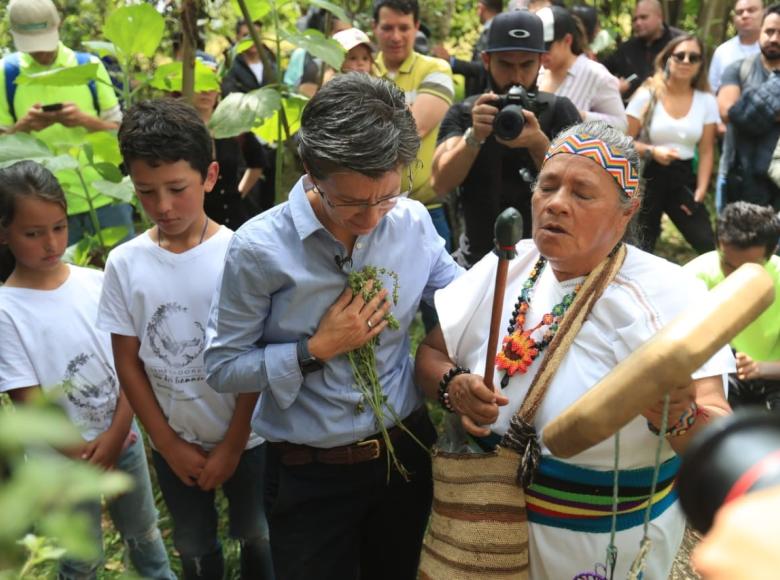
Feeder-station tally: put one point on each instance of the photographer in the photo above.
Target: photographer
(491, 172)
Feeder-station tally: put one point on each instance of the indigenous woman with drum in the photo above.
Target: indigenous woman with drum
(578, 301)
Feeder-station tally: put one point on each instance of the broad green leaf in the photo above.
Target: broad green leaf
(258, 9)
(239, 112)
(314, 41)
(34, 425)
(109, 171)
(61, 77)
(58, 163)
(80, 253)
(293, 109)
(123, 191)
(136, 29)
(337, 11)
(19, 146)
(100, 47)
(168, 77)
(113, 235)
(72, 532)
(105, 146)
(243, 46)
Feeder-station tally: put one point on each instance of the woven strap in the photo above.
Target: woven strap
(592, 288)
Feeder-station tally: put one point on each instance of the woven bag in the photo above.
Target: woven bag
(479, 525)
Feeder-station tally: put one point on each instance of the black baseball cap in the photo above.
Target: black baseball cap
(517, 30)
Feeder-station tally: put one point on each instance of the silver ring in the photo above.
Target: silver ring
(370, 326)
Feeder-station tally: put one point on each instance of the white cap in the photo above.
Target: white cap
(34, 25)
(352, 37)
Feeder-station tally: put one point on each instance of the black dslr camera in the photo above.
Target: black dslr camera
(509, 121)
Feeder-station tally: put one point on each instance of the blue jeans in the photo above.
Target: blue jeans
(195, 519)
(115, 214)
(439, 217)
(135, 517)
(720, 193)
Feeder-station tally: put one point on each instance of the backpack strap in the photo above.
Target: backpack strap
(11, 69)
(86, 58)
(744, 69)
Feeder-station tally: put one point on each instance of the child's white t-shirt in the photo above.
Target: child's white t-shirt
(163, 299)
(48, 338)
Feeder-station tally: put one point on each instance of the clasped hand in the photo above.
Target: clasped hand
(476, 404)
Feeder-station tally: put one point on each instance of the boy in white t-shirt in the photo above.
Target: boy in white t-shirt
(48, 342)
(155, 303)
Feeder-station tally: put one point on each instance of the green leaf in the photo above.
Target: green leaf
(123, 191)
(72, 531)
(136, 29)
(80, 253)
(317, 44)
(293, 109)
(58, 163)
(337, 11)
(113, 235)
(239, 112)
(168, 77)
(258, 9)
(100, 47)
(21, 146)
(61, 77)
(109, 171)
(26, 425)
(105, 146)
(243, 46)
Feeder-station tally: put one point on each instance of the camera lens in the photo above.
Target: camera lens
(509, 122)
(734, 456)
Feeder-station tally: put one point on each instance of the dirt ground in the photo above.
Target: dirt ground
(682, 569)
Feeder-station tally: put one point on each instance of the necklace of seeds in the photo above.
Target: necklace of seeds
(519, 349)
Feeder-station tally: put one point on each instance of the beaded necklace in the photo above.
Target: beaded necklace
(519, 349)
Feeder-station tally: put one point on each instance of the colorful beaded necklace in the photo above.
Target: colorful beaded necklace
(519, 350)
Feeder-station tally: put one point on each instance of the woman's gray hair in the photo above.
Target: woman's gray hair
(617, 140)
(357, 123)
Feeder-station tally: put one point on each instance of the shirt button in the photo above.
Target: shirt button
(225, 206)
(359, 245)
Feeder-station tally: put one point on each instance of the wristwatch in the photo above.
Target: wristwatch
(308, 362)
(471, 140)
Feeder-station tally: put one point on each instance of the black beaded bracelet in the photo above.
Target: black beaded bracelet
(444, 396)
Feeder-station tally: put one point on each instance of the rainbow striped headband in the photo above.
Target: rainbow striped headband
(605, 155)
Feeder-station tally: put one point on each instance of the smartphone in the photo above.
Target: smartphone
(53, 107)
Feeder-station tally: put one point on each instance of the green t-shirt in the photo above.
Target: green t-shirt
(761, 339)
(57, 135)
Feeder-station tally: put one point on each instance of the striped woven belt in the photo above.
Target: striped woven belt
(566, 496)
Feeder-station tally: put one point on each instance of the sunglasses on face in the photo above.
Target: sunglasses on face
(691, 57)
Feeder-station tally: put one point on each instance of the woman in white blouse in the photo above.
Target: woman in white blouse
(568, 72)
(672, 115)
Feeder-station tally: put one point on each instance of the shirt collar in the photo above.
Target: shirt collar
(406, 66)
(303, 216)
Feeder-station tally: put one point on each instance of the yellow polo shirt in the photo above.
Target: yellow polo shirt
(56, 135)
(417, 75)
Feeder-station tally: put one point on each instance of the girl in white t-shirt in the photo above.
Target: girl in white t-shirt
(672, 115)
(48, 341)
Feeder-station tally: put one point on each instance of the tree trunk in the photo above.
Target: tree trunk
(189, 38)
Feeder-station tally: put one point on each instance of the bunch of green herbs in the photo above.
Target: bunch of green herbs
(368, 283)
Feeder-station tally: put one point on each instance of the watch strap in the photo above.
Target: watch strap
(306, 360)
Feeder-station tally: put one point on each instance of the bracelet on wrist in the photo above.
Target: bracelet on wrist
(444, 396)
(685, 422)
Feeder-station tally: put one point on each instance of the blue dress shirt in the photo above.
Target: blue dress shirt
(280, 277)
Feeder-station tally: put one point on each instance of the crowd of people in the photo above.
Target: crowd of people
(228, 328)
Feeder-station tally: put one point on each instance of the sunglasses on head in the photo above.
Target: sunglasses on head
(692, 57)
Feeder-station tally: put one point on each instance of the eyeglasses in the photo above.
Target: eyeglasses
(693, 57)
(384, 203)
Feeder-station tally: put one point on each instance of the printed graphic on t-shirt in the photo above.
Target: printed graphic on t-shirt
(176, 340)
(91, 387)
